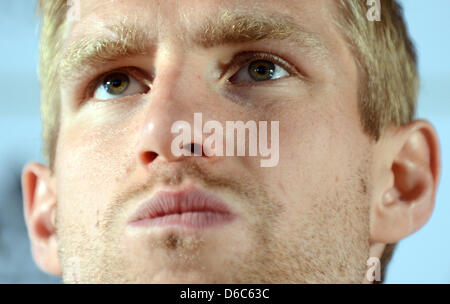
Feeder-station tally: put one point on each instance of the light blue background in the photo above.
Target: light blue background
(422, 258)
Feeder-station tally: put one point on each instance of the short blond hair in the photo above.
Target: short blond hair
(388, 80)
(53, 27)
(386, 57)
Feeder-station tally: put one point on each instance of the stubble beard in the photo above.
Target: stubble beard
(330, 242)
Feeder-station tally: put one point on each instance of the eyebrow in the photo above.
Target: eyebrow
(241, 27)
(127, 40)
(228, 27)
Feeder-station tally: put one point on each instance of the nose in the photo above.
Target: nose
(169, 132)
(156, 144)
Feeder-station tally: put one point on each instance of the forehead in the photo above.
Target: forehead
(305, 9)
(169, 18)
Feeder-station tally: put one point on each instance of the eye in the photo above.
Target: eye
(118, 84)
(259, 70)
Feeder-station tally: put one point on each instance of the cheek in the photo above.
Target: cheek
(319, 147)
(91, 162)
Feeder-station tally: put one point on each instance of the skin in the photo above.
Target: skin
(335, 198)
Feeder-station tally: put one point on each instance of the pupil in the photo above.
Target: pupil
(116, 83)
(262, 70)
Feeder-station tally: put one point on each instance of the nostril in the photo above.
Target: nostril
(148, 157)
(195, 149)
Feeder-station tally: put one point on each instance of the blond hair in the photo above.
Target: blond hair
(388, 80)
(53, 28)
(385, 55)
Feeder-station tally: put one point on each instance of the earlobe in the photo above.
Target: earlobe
(409, 183)
(39, 197)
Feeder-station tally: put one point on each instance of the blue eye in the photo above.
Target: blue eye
(259, 70)
(118, 84)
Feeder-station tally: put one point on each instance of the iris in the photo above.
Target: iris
(261, 70)
(116, 83)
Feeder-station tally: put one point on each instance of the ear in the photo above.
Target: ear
(39, 198)
(407, 172)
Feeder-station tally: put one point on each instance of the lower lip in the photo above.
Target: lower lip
(190, 220)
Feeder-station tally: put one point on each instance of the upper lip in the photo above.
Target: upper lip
(165, 202)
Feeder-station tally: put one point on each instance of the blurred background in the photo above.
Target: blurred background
(422, 258)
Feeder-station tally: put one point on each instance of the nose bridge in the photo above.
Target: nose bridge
(175, 93)
(164, 102)
(178, 76)
(170, 101)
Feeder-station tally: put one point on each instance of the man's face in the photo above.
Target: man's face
(304, 220)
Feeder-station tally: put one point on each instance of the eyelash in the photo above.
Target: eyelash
(237, 63)
(134, 72)
(244, 58)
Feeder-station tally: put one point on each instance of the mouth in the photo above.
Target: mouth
(190, 208)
